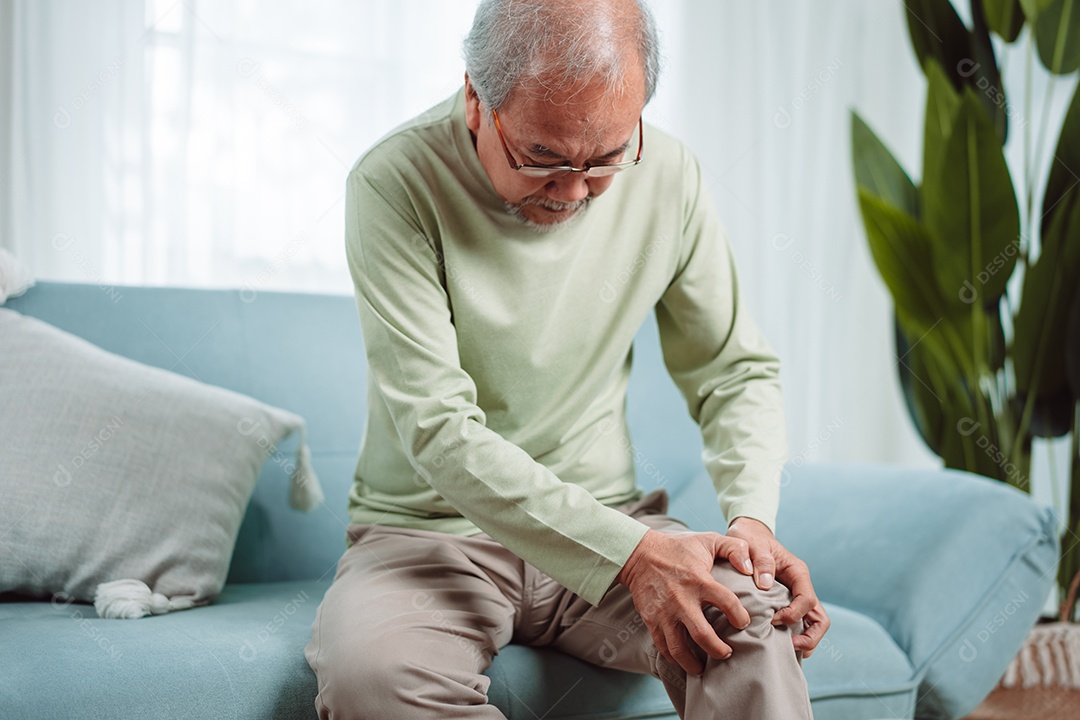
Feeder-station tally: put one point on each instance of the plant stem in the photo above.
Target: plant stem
(1029, 170)
(1029, 406)
(980, 366)
(1041, 141)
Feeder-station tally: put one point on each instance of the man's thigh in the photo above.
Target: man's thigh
(411, 614)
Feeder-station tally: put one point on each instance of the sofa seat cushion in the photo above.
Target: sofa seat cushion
(243, 657)
(857, 672)
(239, 657)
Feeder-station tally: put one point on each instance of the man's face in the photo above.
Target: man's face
(577, 126)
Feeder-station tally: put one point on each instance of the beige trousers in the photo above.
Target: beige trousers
(413, 618)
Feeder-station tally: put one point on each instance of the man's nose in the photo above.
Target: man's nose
(569, 188)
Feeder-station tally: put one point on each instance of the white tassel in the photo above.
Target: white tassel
(305, 492)
(1046, 663)
(1060, 676)
(1072, 642)
(130, 599)
(1050, 658)
(15, 278)
(1029, 671)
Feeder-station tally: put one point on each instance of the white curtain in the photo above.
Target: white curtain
(762, 92)
(206, 144)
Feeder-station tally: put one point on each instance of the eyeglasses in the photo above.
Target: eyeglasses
(558, 171)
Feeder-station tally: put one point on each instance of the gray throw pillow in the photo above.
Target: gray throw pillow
(118, 474)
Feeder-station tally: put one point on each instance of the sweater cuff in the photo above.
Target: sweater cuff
(760, 513)
(602, 579)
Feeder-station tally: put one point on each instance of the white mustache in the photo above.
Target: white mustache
(556, 205)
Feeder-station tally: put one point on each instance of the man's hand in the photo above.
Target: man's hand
(670, 579)
(769, 560)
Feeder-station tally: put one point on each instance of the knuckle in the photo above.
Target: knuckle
(728, 600)
(699, 635)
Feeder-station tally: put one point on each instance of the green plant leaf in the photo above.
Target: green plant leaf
(1005, 17)
(996, 345)
(1039, 329)
(877, 170)
(929, 372)
(983, 75)
(922, 404)
(1064, 173)
(924, 383)
(1032, 8)
(938, 33)
(970, 210)
(900, 247)
(939, 402)
(942, 105)
(1057, 36)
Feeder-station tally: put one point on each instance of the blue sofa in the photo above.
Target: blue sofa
(932, 578)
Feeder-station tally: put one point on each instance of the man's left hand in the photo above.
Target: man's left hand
(770, 561)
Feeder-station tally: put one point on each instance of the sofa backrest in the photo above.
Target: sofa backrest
(304, 352)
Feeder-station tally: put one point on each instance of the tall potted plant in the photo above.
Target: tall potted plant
(985, 281)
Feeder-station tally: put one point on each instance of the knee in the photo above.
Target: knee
(357, 679)
(391, 676)
(761, 604)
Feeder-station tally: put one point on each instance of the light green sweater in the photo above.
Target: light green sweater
(499, 356)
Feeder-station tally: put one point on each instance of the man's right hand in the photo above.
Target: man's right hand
(669, 576)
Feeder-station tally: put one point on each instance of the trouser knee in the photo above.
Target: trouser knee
(396, 679)
(760, 604)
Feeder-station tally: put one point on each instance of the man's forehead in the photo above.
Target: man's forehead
(564, 131)
(593, 148)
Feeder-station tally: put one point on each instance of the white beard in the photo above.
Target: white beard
(579, 207)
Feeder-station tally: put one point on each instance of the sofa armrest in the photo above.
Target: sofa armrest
(956, 567)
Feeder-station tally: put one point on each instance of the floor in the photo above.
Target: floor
(1030, 704)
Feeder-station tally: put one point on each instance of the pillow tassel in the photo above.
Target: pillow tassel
(305, 492)
(131, 599)
(15, 277)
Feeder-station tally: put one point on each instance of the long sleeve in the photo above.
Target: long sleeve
(724, 367)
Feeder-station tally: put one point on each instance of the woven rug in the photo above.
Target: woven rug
(1043, 680)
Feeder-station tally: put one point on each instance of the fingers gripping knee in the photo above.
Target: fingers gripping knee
(762, 605)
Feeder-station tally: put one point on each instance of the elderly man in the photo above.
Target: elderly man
(506, 247)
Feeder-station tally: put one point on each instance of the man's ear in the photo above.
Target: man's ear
(473, 113)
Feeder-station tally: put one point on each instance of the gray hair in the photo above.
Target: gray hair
(557, 43)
